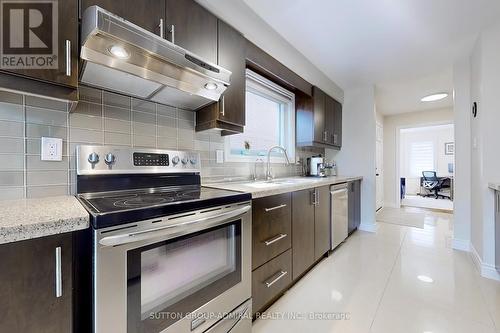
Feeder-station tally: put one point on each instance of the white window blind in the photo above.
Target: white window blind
(421, 157)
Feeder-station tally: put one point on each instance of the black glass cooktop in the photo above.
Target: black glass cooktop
(120, 207)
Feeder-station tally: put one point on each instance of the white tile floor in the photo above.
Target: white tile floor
(373, 278)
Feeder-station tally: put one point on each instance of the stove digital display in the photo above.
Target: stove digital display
(147, 159)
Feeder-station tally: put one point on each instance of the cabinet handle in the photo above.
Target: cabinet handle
(313, 195)
(223, 107)
(58, 273)
(68, 58)
(172, 32)
(274, 208)
(316, 198)
(276, 279)
(335, 137)
(162, 28)
(325, 136)
(275, 239)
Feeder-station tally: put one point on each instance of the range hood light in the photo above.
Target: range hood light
(119, 52)
(211, 86)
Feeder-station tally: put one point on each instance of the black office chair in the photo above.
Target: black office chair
(432, 184)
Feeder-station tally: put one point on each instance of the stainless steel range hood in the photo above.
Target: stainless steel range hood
(123, 57)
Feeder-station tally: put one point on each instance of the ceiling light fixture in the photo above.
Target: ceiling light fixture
(425, 278)
(434, 97)
(210, 86)
(119, 52)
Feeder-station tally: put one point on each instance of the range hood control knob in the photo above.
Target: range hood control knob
(109, 159)
(93, 159)
(184, 160)
(175, 160)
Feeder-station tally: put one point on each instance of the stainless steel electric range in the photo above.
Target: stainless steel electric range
(169, 255)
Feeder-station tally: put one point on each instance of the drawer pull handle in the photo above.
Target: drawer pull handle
(274, 208)
(276, 279)
(275, 239)
(59, 291)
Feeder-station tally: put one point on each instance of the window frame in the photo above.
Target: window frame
(262, 86)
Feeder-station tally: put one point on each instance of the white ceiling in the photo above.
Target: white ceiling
(406, 48)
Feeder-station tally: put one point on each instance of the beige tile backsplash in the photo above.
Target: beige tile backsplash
(100, 118)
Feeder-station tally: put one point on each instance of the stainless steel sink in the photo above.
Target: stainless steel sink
(276, 182)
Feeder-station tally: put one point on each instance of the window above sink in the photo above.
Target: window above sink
(270, 121)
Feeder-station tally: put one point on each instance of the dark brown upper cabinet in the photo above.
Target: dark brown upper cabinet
(229, 113)
(192, 27)
(148, 15)
(319, 120)
(267, 66)
(66, 73)
(36, 288)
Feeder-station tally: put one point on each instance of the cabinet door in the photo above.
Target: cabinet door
(322, 222)
(329, 120)
(231, 56)
(67, 45)
(28, 289)
(336, 138)
(147, 15)
(319, 115)
(352, 204)
(194, 28)
(302, 231)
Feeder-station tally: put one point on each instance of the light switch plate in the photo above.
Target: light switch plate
(51, 149)
(220, 156)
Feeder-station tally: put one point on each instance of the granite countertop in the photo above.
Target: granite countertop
(494, 186)
(282, 185)
(32, 218)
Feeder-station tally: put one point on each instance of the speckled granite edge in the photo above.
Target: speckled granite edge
(494, 186)
(33, 218)
(265, 192)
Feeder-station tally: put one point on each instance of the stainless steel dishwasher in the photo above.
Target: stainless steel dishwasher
(339, 214)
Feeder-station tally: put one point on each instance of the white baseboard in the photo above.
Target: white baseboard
(369, 227)
(486, 270)
(461, 245)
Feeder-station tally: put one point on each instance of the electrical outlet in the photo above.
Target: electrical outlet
(220, 156)
(51, 149)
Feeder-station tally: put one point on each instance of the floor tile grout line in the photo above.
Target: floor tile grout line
(388, 279)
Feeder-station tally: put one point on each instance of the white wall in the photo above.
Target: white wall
(438, 135)
(462, 185)
(485, 157)
(256, 30)
(357, 156)
(392, 124)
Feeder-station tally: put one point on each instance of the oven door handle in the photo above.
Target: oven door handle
(142, 235)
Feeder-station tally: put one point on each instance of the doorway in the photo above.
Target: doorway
(426, 164)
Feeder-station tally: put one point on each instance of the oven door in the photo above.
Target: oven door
(178, 274)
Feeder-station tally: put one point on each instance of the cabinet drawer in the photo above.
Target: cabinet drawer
(271, 228)
(269, 280)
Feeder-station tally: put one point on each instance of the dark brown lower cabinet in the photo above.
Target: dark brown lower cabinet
(322, 222)
(30, 301)
(354, 214)
(270, 279)
(302, 231)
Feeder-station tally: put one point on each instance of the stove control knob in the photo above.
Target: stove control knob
(193, 160)
(109, 159)
(184, 160)
(175, 160)
(93, 159)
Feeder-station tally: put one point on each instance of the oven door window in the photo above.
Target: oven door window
(170, 279)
